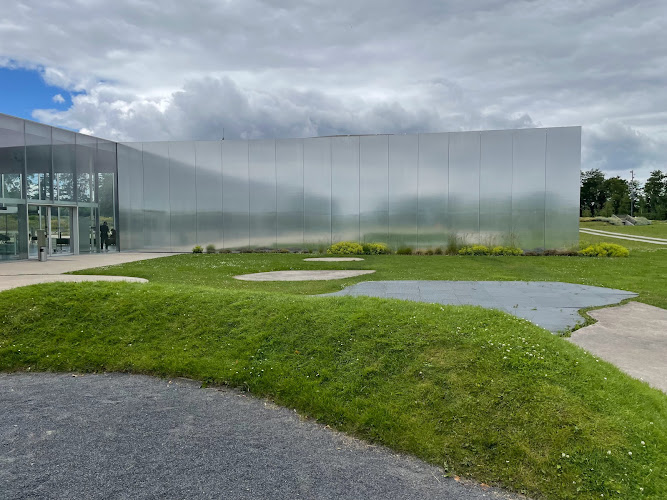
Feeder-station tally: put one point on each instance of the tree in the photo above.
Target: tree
(593, 193)
(655, 191)
(618, 193)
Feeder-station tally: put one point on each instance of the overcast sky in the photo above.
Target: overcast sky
(170, 69)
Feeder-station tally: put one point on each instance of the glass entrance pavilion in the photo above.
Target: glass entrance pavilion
(56, 188)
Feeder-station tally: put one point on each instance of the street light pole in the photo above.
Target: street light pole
(632, 194)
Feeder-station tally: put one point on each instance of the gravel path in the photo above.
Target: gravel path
(127, 436)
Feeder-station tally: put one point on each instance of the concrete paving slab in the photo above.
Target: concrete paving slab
(315, 275)
(334, 259)
(633, 337)
(551, 305)
(130, 436)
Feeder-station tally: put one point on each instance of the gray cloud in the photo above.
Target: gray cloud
(176, 70)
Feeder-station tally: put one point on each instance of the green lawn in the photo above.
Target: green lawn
(643, 272)
(481, 393)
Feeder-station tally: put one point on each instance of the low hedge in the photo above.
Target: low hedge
(605, 250)
(484, 250)
(354, 248)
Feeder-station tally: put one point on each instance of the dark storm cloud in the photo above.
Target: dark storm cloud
(177, 70)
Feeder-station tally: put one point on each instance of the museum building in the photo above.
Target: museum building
(500, 187)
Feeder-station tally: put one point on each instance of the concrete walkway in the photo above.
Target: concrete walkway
(633, 337)
(135, 437)
(551, 305)
(69, 263)
(14, 274)
(621, 236)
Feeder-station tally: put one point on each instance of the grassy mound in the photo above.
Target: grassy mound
(482, 393)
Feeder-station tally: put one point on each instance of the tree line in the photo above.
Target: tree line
(604, 197)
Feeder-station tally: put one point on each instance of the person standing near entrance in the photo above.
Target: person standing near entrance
(104, 235)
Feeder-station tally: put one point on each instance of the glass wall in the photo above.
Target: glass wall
(515, 187)
(56, 188)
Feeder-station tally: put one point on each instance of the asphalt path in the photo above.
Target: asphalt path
(117, 436)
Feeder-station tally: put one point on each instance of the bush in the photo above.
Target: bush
(345, 248)
(499, 250)
(210, 248)
(376, 249)
(224, 250)
(438, 251)
(475, 250)
(197, 249)
(404, 251)
(605, 250)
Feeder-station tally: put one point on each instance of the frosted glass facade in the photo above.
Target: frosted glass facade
(518, 187)
(424, 191)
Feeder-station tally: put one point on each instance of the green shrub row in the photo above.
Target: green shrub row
(605, 250)
(484, 250)
(353, 248)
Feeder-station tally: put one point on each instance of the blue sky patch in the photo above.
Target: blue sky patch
(22, 91)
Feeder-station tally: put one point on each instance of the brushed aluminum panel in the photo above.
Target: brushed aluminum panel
(528, 178)
(289, 193)
(433, 178)
(403, 190)
(235, 194)
(317, 191)
(157, 215)
(495, 188)
(464, 172)
(262, 192)
(209, 193)
(182, 196)
(344, 189)
(563, 166)
(374, 188)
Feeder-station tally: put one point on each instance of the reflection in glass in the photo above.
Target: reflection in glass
(9, 232)
(64, 164)
(38, 161)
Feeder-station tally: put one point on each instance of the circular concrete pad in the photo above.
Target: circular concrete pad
(301, 275)
(334, 259)
(25, 280)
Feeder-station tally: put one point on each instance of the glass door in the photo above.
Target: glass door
(38, 222)
(61, 234)
(52, 227)
(88, 230)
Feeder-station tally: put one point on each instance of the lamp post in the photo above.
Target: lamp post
(632, 192)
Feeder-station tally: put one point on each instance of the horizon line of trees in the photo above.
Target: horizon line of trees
(600, 196)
